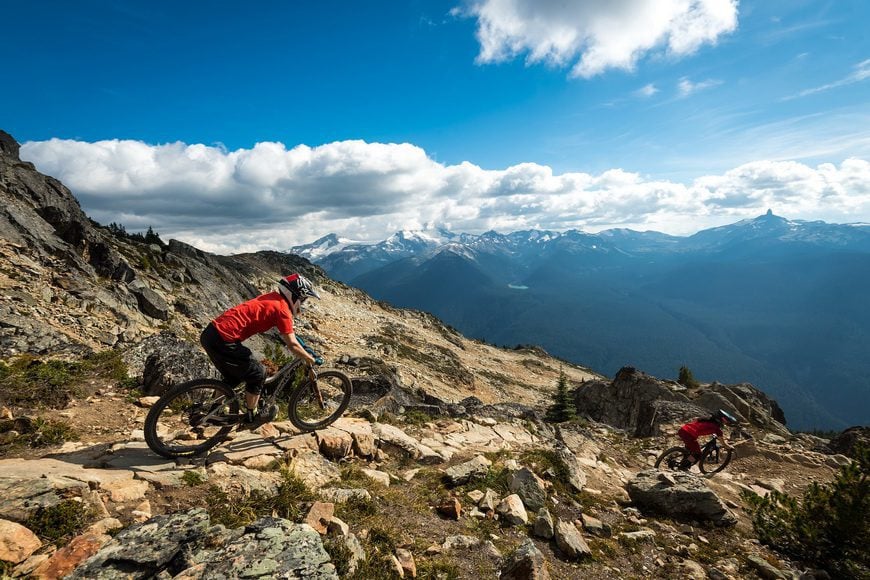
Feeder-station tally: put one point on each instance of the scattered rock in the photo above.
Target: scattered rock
(464, 472)
(406, 562)
(570, 541)
(319, 516)
(450, 508)
(526, 563)
(67, 558)
(765, 569)
(543, 527)
(595, 526)
(530, 488)
(17, 543)
(512, 511)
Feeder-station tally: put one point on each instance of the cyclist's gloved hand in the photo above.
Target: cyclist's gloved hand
(318, 360)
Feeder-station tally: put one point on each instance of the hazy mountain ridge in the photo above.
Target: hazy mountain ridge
(771, 301)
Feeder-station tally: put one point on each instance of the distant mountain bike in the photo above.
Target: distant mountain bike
(191, 418)
(714, 458)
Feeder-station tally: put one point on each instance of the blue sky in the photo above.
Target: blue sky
(239, 127)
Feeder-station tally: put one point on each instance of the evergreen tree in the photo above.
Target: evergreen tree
(829, 527)
(563, 408)
(151, 237)
(687, 379)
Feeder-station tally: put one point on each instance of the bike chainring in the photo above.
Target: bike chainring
(269, 413)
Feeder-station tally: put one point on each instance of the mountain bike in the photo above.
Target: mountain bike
(192, 417)
(714, 458)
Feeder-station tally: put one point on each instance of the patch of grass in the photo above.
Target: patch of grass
(237, 511)
(51, 432)
(499, 378)
(416, 417)
(534, 365)
(379, 546)
(498, 456)
(339, 554)
(59, 522)
(442, 360)
(354, 476)
(545, 460)
(192, 478)
(37, 432)
(30, 381)
(440, 569)
(483, 528)
(356, 509)
(607, 547)
(497, 479)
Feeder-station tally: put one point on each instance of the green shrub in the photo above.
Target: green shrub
(563, 408)
(416, 417)
(277, 354)
(829, 527)
(356, 509)
(50, 432)
(37, 432)
(236, 511)
(686, 378)
(29, 381)
(339, 554)
(58, 522)
(192, 478)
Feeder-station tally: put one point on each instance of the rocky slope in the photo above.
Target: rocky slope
(443, 467)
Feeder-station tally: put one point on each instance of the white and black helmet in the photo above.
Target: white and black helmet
(296, 288)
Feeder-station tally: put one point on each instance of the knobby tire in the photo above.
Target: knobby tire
(169, 448)
(682, 452)
(724, 460)
(306, 390)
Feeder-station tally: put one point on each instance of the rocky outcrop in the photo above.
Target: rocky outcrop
(849, 440)
(678, 495)
(625, 402)
(642, 404)
(526, 563)
(165, 359)
(186, 544)
(75, 286)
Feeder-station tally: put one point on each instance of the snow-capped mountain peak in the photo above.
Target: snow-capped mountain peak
(321, 247)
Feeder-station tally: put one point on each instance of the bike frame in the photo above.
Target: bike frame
(280, 379)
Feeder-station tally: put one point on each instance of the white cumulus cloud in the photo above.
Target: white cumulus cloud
(272, 197)
(592, 36)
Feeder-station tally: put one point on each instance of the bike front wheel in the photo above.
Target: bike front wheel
(674, 459)
(191, 418)
(714, 460)
(318, 403)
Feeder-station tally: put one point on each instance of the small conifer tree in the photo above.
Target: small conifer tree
(152, 237)
(563, 408)
(828, 527)
(687, 379)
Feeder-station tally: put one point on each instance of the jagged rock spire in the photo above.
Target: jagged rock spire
(8, 145)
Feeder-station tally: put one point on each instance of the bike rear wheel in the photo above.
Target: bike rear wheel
(674, 459)
(316, 404)
(191, 418)
(714, 460)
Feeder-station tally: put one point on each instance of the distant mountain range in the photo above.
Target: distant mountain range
(775, 302)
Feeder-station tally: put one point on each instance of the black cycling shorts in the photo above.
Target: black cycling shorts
(233, 360)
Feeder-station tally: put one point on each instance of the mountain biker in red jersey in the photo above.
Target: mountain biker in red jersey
(690, 432)
(222, 338)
